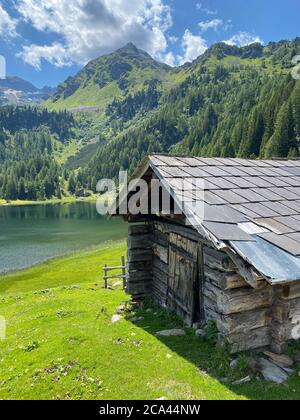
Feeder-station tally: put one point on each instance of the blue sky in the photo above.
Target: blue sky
(45, 41)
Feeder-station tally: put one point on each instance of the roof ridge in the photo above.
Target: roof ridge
(294, 159)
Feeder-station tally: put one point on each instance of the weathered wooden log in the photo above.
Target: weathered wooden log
(157, 263)
(187, 232)
(242, 322)
(280, 310)
(277, 347)
(161, 252)
(138, 255)
(210, 308)
(139, 265)
(224, 280)
(160, 289)
(160, 238)
(139, 276)
(217, 260)
(188, 246)
(139, 229)
(253, 339)
(160, 277)
(248, 273)
(239, 300)
(281, 332)
(291, 291)
(139, 289)
(139, 242)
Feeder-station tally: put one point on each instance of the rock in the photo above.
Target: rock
(282, 360)
(120, 309)
(242, 381)
(200, 333)
(136, 319)
(272, 372)
(253, 362)
(116, 318)
(117, 283)
(171, 333)
(234, 364)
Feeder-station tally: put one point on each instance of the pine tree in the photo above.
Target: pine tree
(283, 138)
(72, 184)
(21, 189)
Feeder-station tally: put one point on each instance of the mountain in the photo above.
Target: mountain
(230, 102)
(19, 91)
(113, 75)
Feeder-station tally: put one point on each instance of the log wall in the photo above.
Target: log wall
(285, 316)
(163, 262)
(242, 313)
(139, 261)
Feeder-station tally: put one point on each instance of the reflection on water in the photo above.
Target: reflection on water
(32, 234)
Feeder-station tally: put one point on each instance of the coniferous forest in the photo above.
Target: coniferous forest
(230, 102)
(28, 170)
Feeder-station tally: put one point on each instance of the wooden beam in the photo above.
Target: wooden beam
(252, 277)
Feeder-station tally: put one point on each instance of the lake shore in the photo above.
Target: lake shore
(33, 234)
(65, 200)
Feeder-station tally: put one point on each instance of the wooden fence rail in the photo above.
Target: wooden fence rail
(107, 270)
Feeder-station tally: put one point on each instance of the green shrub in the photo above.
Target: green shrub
(211, 332)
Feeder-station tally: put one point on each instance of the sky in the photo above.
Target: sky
(45, 41)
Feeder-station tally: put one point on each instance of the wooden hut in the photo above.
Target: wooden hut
(238, 262)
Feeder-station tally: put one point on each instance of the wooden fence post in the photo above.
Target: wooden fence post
(123, 271)
(105, 276)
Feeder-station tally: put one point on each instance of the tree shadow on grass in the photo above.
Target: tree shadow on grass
(203, 354)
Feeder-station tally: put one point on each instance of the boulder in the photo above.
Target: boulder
(200, 333)
(234, 364)
(271, 372)
(116, 318)
(281, 360)
(171, 333)
(136, 319)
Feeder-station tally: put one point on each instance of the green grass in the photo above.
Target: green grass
(64, 200)
(61, 343)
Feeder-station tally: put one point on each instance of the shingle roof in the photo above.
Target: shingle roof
(250, 204)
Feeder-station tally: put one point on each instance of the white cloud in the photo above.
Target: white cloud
(55, 54)
(8, 25)
(210, 24)
(173, 39)
(242, 39)
(89, 28)
(199, 6)
(169, 59)
(193, 46)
